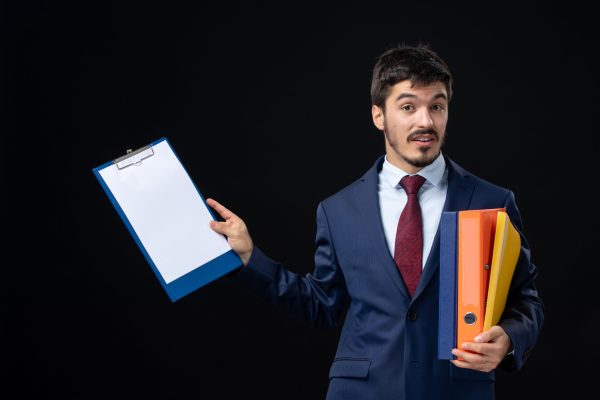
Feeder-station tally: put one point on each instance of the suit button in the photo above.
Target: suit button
(411, 316)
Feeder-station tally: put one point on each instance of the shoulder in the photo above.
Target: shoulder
(481, 186)
(357, 191)
(346, 192)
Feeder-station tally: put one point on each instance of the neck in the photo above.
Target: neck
(401, 163)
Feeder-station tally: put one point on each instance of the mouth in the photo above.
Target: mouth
(423, 140)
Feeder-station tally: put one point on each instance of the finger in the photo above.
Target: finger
(473, 366)
(460, 364)
(487, 336)
(221, 209)
(479, 348)
(466, 356)
(220, 227)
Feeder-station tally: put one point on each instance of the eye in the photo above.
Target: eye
(437, 107)
(407, 107)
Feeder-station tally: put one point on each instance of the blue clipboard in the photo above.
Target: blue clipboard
(167, 217)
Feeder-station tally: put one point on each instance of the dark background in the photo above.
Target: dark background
(267, 106)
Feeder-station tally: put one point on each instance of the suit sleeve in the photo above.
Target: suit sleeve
(523, 316)
(318, 297)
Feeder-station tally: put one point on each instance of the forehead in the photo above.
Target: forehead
(424, 92)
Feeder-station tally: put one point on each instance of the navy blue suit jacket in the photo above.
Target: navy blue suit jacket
(388, 343)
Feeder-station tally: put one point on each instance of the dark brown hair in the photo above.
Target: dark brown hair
(419, 64)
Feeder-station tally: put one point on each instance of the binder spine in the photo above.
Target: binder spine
(448, 285)
(476, 233)
(470, 271)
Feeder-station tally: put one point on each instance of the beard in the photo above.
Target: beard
(426, 157)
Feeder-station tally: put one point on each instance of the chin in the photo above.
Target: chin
(424, 159)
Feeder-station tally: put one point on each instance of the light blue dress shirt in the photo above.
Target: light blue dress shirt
(432, 196)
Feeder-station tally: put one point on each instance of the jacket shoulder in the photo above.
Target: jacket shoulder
(344, 193)
(481, 185)
(356, 189)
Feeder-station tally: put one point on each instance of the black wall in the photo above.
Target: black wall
(268, 107)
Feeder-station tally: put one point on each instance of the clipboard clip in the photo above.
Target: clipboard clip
(134, 157)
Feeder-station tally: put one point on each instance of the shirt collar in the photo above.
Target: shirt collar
(433, 173)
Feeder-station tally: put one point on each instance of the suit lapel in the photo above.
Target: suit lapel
(460, 188)
(458, 197)
(368, 197)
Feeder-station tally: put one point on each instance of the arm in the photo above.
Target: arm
(523, 316)
(521, 321)
(318, 297)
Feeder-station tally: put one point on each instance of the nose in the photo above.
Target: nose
(424, 119)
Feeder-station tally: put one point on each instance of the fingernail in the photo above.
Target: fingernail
(477, 339)
(465, 346)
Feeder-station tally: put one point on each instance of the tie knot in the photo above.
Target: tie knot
(412, 183)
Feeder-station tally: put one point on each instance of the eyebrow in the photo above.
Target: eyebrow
(410, 95)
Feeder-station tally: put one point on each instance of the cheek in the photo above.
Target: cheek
(441, 122)
(398, 126)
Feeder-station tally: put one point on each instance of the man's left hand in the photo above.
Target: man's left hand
(488, 350)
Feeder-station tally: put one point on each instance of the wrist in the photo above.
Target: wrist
(246, 256)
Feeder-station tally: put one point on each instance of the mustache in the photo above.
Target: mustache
(429, 131)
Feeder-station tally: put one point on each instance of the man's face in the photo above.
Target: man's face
(414, 124)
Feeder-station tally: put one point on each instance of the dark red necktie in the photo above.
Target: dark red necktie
(408, 251)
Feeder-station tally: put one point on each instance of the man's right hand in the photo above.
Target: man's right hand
(235, 229)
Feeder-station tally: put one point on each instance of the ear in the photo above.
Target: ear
(378, 117)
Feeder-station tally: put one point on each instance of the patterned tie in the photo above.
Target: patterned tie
(408, 251)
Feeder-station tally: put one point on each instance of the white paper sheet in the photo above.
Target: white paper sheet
(167, 213)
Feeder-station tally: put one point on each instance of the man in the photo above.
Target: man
(367, 243)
